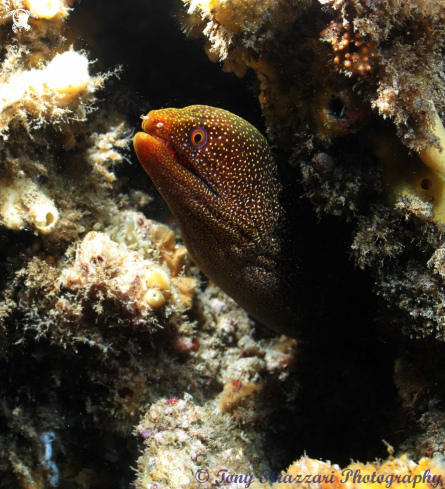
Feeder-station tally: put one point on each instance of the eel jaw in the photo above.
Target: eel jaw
(174, 154)
(151, 148)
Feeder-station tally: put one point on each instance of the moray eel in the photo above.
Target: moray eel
(217, 175)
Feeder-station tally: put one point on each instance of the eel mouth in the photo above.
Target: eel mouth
(182, 161)
(173, 153)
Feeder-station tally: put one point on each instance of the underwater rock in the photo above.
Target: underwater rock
(420, 386)
(55, 93)
(179, 436)
(102, 316)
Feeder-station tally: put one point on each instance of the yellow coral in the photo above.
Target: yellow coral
(154, 298)
(432, 156)
(157, 277)
(405, 174)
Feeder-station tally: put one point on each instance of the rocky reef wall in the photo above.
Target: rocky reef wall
(111, 339)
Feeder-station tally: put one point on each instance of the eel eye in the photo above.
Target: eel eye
(198, 137)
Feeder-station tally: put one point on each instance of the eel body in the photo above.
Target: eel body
(217, 175)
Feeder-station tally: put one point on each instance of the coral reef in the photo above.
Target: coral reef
(180, 436)
(384, 45)
(195, 435)
(239, 25)
(107, 328)
(391, 43)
